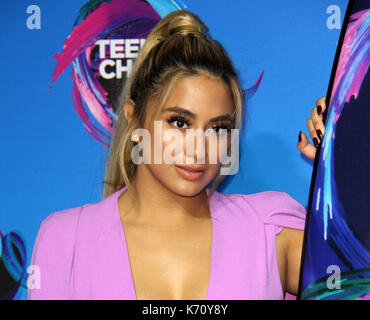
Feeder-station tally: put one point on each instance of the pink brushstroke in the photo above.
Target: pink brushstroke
(94, 106)
(347, 51)
(84, 34)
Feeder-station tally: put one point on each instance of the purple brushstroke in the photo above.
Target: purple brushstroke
(97, 25)
(249, 93)
(115, 19)
(106, 22)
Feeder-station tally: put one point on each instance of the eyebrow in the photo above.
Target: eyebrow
(191, 115)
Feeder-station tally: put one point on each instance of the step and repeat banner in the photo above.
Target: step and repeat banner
(63, 65)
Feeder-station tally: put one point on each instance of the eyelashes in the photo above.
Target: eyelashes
(182, 122)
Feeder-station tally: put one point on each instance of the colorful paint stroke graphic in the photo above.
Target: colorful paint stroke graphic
(96, 50)
(13, 273)
(339, 226)
(102, 46)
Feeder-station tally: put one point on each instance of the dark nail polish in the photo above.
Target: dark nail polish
(319, 134)
(299, 136)
(319, 110)
(315, 142)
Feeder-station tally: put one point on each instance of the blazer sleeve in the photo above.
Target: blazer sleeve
(52, 257)
(284, 211)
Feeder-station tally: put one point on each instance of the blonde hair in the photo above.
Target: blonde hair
(178, 46)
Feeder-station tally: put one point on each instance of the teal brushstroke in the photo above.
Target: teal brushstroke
(328, 138)
(164, 7)
(353, 284)
(86, 8)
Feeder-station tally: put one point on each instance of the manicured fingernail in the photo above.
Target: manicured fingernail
(319, 134)
(319, 110)
(299, 136)
(315, 142)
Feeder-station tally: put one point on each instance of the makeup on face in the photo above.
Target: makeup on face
(186, 120)
(191, 173)
(182, 119)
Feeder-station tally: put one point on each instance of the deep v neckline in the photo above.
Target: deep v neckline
(124, 251)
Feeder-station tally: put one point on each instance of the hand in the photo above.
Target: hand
(316, 129)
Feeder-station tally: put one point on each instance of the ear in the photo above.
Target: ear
(128, 109)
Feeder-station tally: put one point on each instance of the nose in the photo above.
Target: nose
(195, 146)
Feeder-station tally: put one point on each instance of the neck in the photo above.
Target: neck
(156, 205)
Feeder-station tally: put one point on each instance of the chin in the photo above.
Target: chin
(186, 189)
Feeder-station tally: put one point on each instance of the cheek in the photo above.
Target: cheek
(212, 170)
(223, 147)
(217, 147)
(167, 146)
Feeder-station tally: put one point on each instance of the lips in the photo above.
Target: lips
(191, 173)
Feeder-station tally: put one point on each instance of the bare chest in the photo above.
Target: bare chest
(170, 264)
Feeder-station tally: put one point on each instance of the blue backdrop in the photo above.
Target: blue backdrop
(50, 162)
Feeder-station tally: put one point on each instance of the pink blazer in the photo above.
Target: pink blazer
(82, 254)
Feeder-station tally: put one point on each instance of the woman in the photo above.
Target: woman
(161, 232)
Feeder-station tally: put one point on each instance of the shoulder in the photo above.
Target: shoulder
(63, 219)
(57, 232)
(61, 222)
(266, 201)
(53, 254)
(272, 207)
(54, 247)
(81, 223)
(270, 201)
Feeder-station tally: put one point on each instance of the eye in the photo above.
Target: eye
(216, 129)
(178, 122)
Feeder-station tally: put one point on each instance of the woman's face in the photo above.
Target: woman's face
(196, 102)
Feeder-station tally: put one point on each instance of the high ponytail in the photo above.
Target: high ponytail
(178, 22)
(178, 46)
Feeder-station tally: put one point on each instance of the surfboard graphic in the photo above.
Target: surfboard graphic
(336, 254)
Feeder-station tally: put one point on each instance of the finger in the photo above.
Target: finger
(305, 147)
(321, 104)
(313, 132)
(318, 124)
